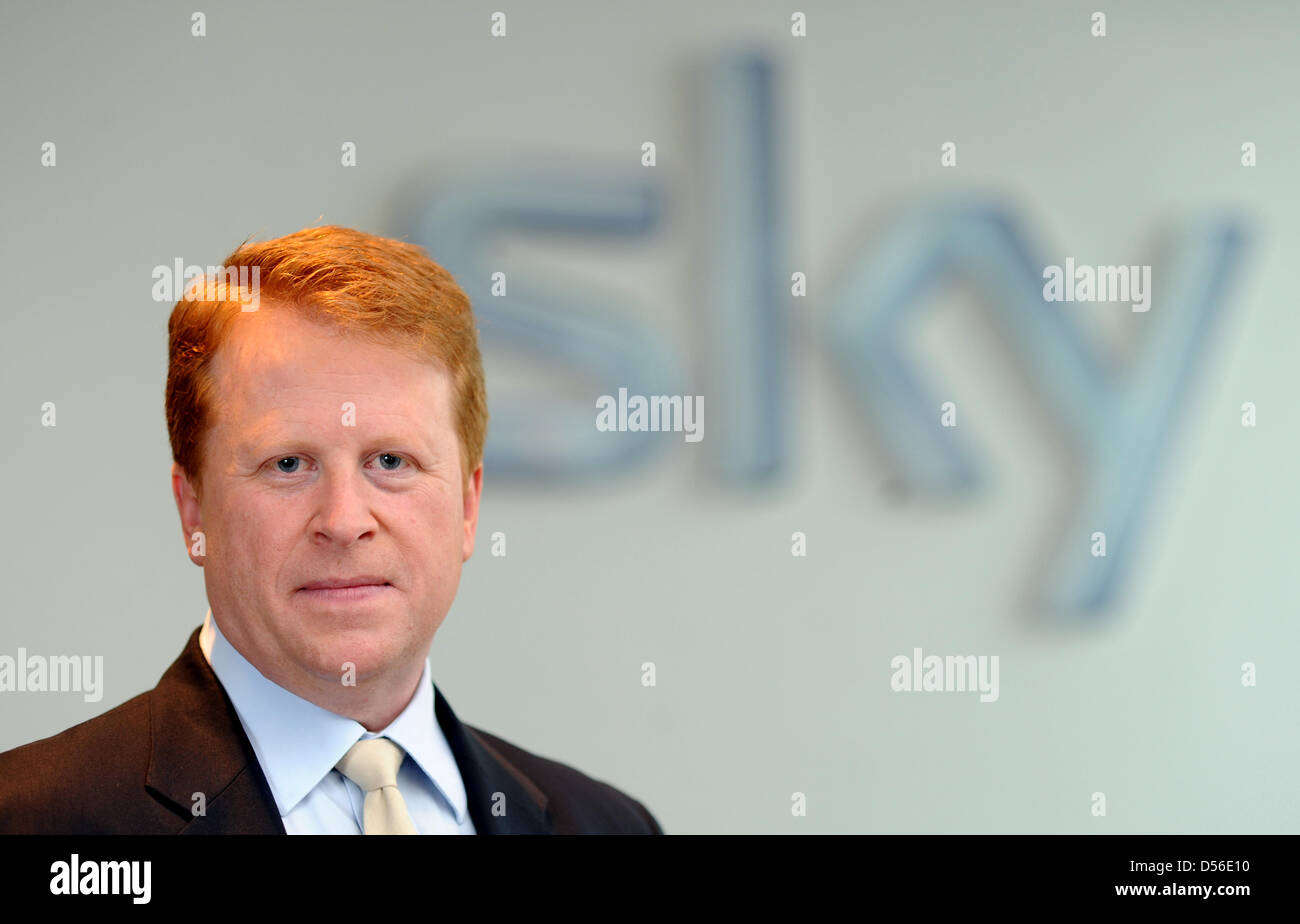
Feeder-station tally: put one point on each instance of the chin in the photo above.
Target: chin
(370, 650)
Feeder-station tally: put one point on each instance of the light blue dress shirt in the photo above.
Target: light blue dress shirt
(297, 744)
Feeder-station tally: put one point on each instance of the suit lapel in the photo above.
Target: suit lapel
(502, 800)
(199, 746)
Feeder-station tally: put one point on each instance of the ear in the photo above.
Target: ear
(191, 513)
(473, 492)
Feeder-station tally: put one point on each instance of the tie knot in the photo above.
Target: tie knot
(372, 763)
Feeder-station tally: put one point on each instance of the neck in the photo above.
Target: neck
(374, 700)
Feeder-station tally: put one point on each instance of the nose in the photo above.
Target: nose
(343, 515)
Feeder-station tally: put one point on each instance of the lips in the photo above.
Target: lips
(364, 580)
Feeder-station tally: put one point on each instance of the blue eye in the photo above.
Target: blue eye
(396, 462)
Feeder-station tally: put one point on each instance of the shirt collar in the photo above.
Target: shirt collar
(297, 742)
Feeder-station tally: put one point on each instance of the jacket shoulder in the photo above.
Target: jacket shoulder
(88, 779)
(577, 803)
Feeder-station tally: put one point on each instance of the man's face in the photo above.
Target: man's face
(329, 457)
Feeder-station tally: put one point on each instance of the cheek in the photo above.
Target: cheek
(434, 525)
(253, 531)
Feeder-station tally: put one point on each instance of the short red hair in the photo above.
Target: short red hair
(385, 291)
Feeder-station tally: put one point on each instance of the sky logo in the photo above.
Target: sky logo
(1121, 420)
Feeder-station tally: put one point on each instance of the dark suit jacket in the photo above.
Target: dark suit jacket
(134, 770)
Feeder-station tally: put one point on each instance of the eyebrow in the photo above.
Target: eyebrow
(259, 445)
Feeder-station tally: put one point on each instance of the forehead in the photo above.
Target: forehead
(277, 367)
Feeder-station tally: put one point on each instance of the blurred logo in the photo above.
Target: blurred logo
(1119, 420)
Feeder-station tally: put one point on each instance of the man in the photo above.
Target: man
(327, 413)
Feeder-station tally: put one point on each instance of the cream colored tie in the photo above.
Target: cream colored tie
(372, 764)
